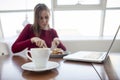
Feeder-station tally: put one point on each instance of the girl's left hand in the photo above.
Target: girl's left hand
(55, 43)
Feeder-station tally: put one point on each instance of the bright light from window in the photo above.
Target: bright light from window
(73, 2)
(67, 23)
(112, 22)
(12, 23)
(78, 23)
(22, 4)
(113, 3)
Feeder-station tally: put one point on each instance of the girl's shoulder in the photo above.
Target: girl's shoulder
(28, 28)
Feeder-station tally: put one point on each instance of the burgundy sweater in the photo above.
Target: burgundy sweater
(23, 41)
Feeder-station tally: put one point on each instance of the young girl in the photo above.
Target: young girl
(38, 34)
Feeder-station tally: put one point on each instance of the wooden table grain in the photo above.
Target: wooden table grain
(110, 70)
(10, 69)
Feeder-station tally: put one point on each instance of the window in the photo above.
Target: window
(74, 2)
(78, 17)
(113, 3)
(12, 22)
(13, 15)
(112, 18)
(79, 4)
(78, 23)
(83, 18)
(112, 21)
(22, 4)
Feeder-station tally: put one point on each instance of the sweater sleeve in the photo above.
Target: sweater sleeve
(61, 45)
(23, 41)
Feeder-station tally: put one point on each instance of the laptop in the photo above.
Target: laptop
(91, 56)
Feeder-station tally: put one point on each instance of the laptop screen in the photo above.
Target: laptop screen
(112, 41)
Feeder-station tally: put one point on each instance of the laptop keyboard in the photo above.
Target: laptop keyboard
(94, 56)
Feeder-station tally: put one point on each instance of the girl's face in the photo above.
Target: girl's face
(44, 19)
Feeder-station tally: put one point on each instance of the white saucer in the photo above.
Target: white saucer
(31, 67)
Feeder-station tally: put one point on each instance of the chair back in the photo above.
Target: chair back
(1, 31)
(4, 49)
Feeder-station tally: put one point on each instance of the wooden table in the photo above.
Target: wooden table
(10, 69)
(110, 70)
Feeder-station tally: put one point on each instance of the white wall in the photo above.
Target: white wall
(91, 45)
(83, 44)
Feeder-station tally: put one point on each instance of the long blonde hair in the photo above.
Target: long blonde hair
(37, 10)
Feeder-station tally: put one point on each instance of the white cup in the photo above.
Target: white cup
(39, 56)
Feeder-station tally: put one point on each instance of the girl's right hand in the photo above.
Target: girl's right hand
(39, 42)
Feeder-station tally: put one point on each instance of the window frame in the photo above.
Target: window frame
(54, 7)
(100, 6)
